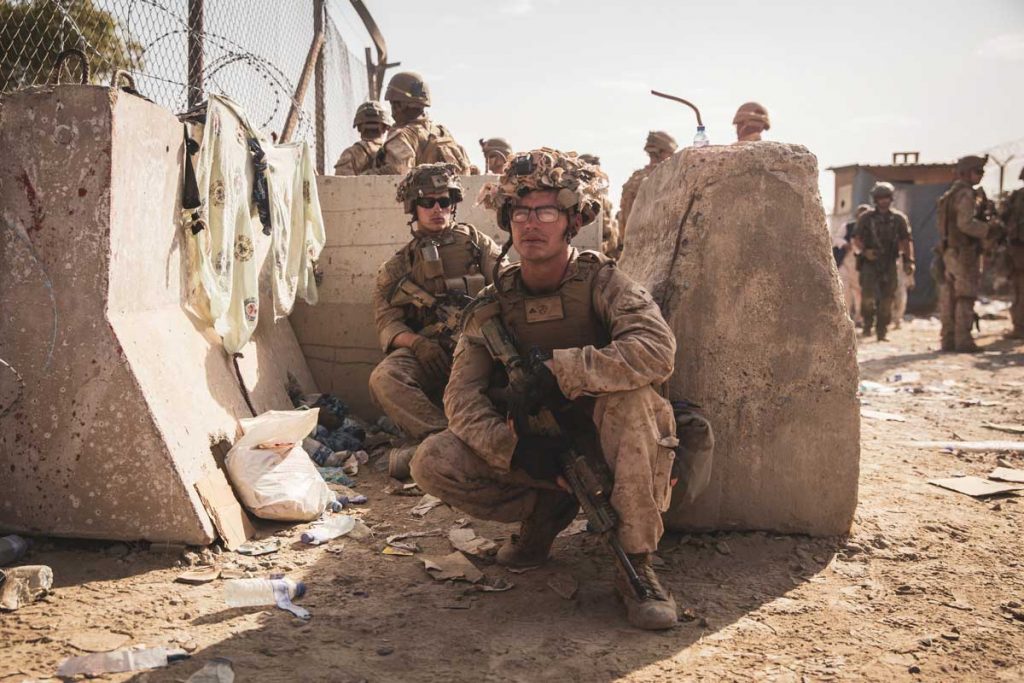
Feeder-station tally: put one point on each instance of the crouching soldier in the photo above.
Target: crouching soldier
(418, 301)
(605, 347)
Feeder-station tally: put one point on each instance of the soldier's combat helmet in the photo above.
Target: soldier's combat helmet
(372, 112)
(659, 140)
(495, 145)
(408, 87)
(592, 159)
(971, 162)
(579, 185)
(882, 189)
(752, 111)
(427, 179)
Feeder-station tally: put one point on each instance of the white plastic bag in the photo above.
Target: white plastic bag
(272, 473)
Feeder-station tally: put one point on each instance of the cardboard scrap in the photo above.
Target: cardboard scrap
(97, 640)
(197, 576)
(1007, 474)
(271, 545)
(578, 526)
(565, 585)
(397, 550)
(426, 504)
(468, 542)
(1012, 429)
(975, 487)
(880, 415)
(454, 566)
(227, 514)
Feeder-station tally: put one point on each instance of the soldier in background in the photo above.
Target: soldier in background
(496, 153)
(1013, 220)
(882, 235)
(610, 231)
(660, 146)
(372, 122)
(961, 240)
(846, 262)
(415, 139)
(751, 120)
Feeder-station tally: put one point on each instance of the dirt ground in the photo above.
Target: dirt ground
(928, 586)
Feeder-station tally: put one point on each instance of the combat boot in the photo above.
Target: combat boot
(881, 334)
(399, 459)
(656, 611)
(947, 344)
(963, 322)
(553, 512)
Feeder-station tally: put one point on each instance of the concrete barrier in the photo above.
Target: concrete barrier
(125, 388)
(732, 242)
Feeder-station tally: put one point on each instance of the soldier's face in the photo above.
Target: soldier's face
(372, 130)
(435, 218)
(658, 155)
(535, 240)
(883, 203)
(495, 162)
(976, 174)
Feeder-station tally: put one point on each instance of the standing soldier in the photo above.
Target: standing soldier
(1013, 219)
(660, 146)
(609, 229)
(961, 237)
(372, 122)
(751, 120)
(496, 153)
(881, 236)
(607, 348)
(415, 139)
(418, 301)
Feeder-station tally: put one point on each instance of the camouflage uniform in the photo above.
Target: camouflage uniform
(1013, 217)
(399, 384)
(881, 234)
(656, 140)
(420, 141)
(961, 236)
(360, 157)
(610, 245)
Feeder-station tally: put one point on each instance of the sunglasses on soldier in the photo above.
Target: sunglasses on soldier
(544, 214)
(428, 202)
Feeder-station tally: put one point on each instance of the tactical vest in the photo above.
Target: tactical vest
(439, 146)
(563, 319)
(949, 235)
(882, 236)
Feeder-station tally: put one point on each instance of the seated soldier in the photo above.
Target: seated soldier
(607, 348)
(418, 300)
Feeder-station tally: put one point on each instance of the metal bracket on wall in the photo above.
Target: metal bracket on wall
(374, 72)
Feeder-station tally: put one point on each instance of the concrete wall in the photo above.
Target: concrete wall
(365, 226)
(125, 387)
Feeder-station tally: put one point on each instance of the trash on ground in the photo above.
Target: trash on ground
(402, 550)
(228, 517)
(455, 566)
(97, 640)
(498, 585)
(333, 527)
(120, 661)
(401, 488)
(24, 585)
(217, 670)
(1007, 474)
(1012, 429)
(336, 475)
(12, 548)
(577, 526)
(975, 487)
(904, 377)
(272, 473)
(564, 585)
(881, 415)
(351, 466)
(468, 542)
(426, 504)
(968, 446)
(869, 387)
(259, 592)
(265, 547)
(197, 576)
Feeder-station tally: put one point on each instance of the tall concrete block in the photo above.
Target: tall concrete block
(732, 242)
(125, 387)
(365, 226)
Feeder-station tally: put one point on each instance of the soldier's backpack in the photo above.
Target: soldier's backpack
(440, 146)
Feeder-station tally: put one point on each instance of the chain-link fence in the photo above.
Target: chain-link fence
(176, 51)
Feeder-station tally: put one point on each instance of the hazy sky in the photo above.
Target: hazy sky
(853, 81)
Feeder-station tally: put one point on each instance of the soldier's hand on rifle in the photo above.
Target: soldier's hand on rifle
(432, 357)
(870, 254)
(538, 387)
(538, 456)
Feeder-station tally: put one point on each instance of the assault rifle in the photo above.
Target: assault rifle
(582, 463)
(446, 309)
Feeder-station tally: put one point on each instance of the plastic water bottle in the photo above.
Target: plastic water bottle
(701, 138)
(253, 592)
(11, 549)
(334, 527)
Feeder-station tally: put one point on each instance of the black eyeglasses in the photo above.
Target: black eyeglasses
(544, 214)
(428, 202)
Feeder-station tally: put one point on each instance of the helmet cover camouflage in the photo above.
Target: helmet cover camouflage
(408, 87)
(579, 185)
(882, 189)
(971, 162)
(752, 111)
(428, 179)
(591, 159)
(660, 141)
(371, 112)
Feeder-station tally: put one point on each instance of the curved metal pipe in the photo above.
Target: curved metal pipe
(63, 57)
(689, 104)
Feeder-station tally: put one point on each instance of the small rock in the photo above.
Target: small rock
(723, 548)
(914, 669)
(385, 650)
(951, 636)
(190, 558)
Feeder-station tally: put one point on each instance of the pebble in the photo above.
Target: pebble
(385, 650)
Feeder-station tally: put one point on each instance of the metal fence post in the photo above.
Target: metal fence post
(196, 14)
(319, 82)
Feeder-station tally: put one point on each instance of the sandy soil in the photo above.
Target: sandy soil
(928, 586)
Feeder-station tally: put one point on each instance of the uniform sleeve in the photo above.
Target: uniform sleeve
(348, 162)
(399, 153)
(390, 320)
(860, 229)
(903, 231)
(965, 221)
(642, 350)
(471, 415)
(489, 252)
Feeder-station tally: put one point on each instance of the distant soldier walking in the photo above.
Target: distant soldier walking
(1013, 219)
(372, 122)
(660, 146)
(882, 235)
